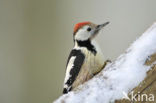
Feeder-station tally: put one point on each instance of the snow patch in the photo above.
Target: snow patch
(123, 75)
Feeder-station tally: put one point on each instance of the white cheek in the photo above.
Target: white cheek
(82, 35)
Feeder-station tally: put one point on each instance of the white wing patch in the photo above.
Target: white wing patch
(69, 67)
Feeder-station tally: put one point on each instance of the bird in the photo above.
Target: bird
(86, 58)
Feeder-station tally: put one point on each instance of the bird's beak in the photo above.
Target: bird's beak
(98, 28)
(101, 25)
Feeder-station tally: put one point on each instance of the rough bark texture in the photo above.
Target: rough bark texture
(148, 86)
(147, 83)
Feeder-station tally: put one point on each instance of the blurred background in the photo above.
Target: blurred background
(36, 38)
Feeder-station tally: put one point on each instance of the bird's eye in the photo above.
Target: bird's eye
(89, 29)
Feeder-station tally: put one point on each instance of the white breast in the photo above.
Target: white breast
(94, 62)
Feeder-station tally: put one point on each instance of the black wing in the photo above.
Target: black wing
(75, 69)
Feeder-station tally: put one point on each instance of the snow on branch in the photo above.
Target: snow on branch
(119, 77)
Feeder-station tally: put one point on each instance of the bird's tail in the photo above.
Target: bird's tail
(66, 90)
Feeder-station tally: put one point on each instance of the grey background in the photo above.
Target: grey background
(36, 38)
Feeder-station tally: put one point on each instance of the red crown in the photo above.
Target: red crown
(79, 25)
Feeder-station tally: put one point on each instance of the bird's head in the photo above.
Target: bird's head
(87, 30)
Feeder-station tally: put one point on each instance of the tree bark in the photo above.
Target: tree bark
(147, 85)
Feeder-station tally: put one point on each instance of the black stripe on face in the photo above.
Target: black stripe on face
(88, 45)
(76, 66)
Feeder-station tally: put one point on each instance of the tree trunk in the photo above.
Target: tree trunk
(134, 71)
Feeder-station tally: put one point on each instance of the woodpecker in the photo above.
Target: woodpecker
(85, 59)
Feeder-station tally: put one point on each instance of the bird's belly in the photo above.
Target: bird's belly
(94, 63)
(91, 66)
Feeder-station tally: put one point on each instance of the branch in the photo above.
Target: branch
(119, 77)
